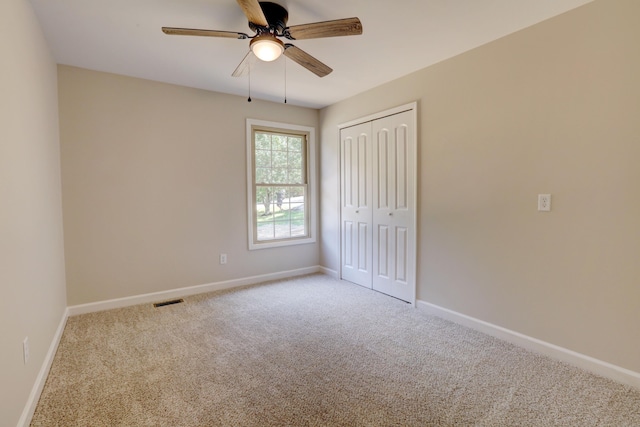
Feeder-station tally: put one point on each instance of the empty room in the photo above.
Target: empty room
(219, 212)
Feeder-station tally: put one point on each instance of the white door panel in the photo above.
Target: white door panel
(356, 204)
(393, 215)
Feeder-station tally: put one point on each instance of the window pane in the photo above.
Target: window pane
(279, 142)
(295, 144)
(295, 160)
(263, 202)
(263, 141)
(263, 158)
(280, 159)
(298, 224)
(295, 176)
(280, 194)
(263, 175)
(279, 175)
(266, 231)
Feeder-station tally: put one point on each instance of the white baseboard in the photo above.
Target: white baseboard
(41, 379)
(329, 272)
(588, 363)
(183, 292)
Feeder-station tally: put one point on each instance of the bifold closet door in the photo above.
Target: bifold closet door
(378, 205)
(356, 193)
(393, 206)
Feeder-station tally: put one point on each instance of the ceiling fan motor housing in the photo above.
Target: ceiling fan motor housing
(277, 17)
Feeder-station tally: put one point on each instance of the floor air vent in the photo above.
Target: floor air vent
(173, 301)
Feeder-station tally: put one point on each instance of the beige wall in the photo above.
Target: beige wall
(154, 186)
(554, 109)
(32, 281)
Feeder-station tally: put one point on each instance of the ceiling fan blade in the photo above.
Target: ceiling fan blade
(307, 61)
(253, 11)
(206, 33)
(243, 68)
(337, 28)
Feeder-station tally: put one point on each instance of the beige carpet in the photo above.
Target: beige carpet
(310, 351)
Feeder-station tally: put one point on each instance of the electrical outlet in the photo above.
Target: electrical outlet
(25, 350)
(223, 258)
(544, 202)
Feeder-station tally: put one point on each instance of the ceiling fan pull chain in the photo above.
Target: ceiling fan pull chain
(249, 100)
(285, 80)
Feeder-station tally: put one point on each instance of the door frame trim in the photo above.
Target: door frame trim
(412, 107)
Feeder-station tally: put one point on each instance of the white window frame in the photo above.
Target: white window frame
(311, 183)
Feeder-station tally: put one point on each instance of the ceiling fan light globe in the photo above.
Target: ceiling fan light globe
(267, 48)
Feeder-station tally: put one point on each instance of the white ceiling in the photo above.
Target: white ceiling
(399, 37)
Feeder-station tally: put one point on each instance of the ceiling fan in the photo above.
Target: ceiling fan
(269, 22)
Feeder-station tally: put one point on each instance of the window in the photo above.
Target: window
(280, 176)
